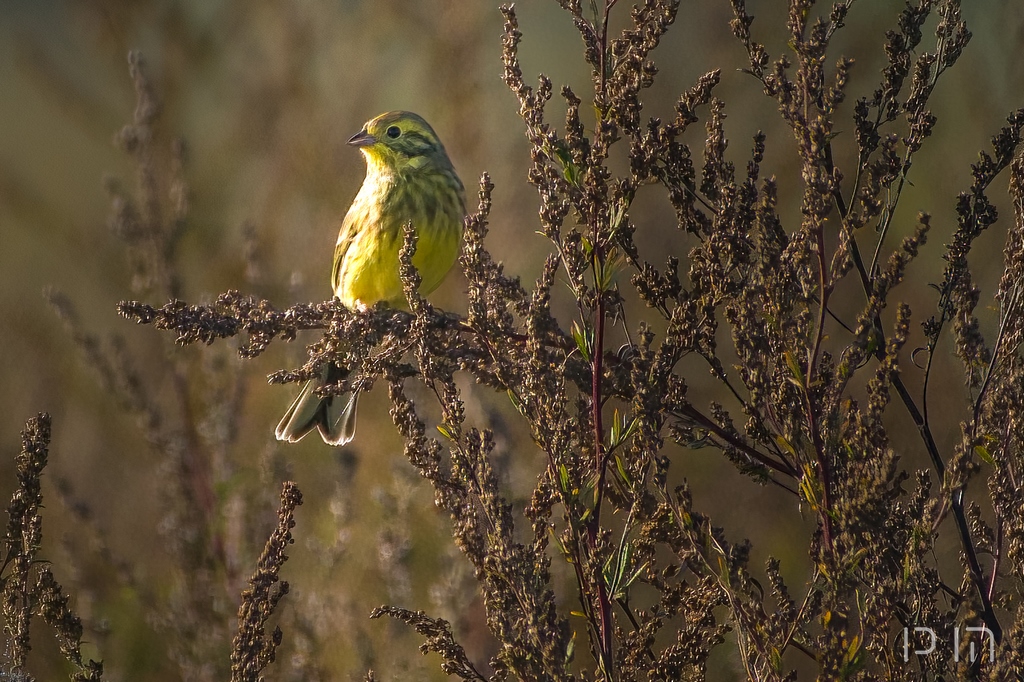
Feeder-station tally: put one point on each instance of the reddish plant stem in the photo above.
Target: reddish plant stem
(600, 464)
(605, 622)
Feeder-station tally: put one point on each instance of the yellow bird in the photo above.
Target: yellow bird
(409, 179)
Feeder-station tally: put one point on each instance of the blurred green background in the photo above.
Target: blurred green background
(265, 93)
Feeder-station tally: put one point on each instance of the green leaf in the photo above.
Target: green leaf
(621, 468)
(795, 368)
(606, 270)
(588, 247)
(582, 340)
(516, 402)
(616, 219)
(570, 171)
(631, 428)
(558, 543)
(853, 659)
(634, 576)
(563, 478)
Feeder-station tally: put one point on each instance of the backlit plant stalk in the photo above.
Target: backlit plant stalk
(804, 394)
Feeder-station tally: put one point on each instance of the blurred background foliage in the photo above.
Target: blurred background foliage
(265, 93)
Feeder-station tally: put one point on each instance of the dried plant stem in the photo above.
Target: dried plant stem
(814, 422)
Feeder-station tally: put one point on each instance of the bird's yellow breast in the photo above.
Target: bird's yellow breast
(366, 258)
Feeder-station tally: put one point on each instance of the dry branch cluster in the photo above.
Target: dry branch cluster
(657, 587)
(27, 585)
(651, 572)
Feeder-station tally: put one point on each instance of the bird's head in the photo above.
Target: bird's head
(400, 141)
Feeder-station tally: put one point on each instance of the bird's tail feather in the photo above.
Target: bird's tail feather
(301, 416)
(334, 416)
(339, 424)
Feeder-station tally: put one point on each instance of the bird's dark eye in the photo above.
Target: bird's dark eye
(393, 132)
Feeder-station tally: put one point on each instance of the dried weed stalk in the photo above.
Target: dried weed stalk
(658, 586)
(191, 422)
(27, 585)
(252, 651)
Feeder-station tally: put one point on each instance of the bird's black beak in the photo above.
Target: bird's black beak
(362, 139)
